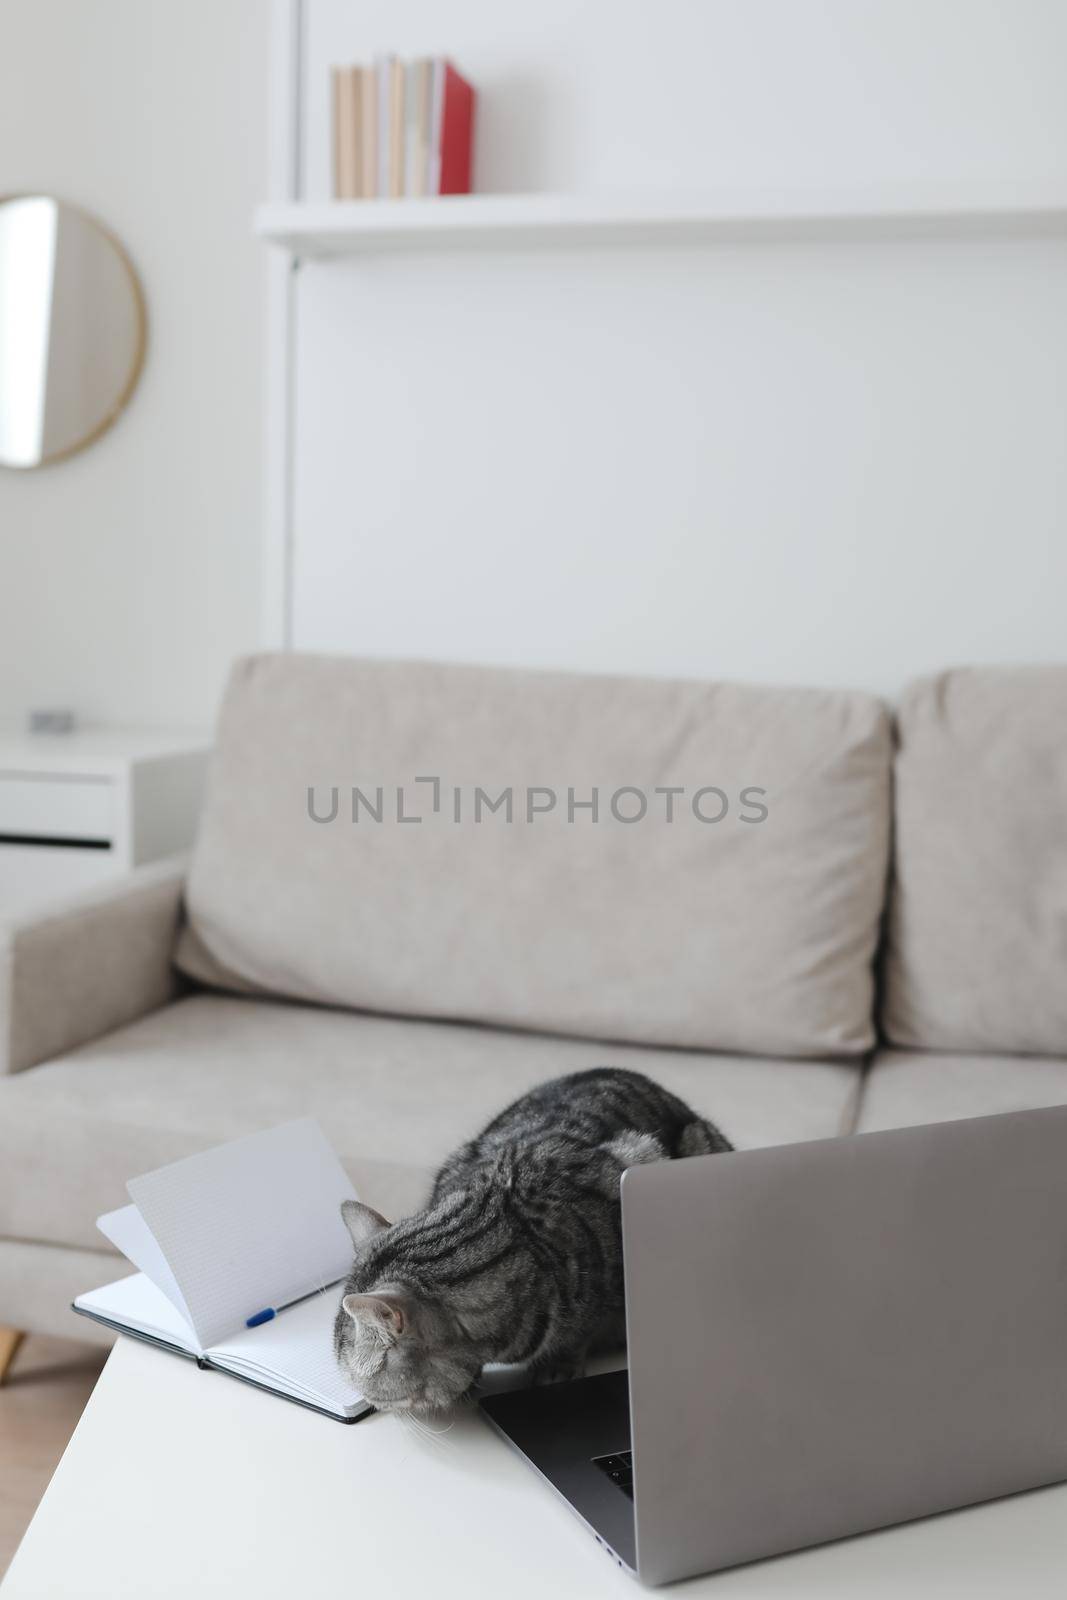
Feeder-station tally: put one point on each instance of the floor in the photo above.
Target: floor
(40, 1403)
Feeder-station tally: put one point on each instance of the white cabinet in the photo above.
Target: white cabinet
(76, 808)
(57, 807)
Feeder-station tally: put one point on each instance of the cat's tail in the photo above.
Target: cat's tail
(702, 1138)
(629, 1149)
(632, 1149)
(697, 1138)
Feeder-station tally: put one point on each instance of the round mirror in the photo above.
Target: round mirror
(72, 330)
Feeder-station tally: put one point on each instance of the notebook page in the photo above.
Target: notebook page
(128, 1232)
(137, 1303)
(296, 1351)
(249, 1224)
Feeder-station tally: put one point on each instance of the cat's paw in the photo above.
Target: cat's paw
(562, 1369)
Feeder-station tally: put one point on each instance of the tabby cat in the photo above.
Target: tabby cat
(518, 1255)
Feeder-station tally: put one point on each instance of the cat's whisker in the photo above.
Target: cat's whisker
(437, 1433)
(421, 1427)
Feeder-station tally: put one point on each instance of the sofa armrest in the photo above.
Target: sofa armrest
(76, 970)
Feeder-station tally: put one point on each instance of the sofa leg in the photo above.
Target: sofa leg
(10, 1339)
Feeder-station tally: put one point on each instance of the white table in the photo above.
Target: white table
(179, 1482)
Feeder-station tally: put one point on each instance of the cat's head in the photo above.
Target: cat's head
(401, 1350)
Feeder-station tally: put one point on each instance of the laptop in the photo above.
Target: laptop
(824, 1339)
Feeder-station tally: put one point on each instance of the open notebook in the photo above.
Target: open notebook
(246, 1232)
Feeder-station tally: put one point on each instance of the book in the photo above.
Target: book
(401, 129)
(369, 140)
(337, 116)
(355, 75)
(416, 125)
(239, 1252)
(451, 131)
(347, 85)
(396, 128)
(383, 68)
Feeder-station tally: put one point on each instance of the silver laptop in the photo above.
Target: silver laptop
(823, 1339)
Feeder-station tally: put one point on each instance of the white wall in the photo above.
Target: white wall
(834, 462)
(129, 574)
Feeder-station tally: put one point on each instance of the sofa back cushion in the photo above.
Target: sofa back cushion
(648, 920)
(977, 945)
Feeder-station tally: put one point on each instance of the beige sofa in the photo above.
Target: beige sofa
(418, 890)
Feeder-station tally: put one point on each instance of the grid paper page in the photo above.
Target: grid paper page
(296, 1351)
(128, 1232)
(136, 1302)
(249, 1224)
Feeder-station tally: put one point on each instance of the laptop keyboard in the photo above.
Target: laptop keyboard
(620, 1469)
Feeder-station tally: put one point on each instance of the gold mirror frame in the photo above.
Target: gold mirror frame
(140, 339)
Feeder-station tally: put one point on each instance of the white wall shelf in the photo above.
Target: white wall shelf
(361, 227)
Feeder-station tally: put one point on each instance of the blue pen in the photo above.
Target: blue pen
(269, 1313)
(266, 1315)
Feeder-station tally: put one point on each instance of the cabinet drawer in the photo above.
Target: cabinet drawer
(36, 807)
(33, 874)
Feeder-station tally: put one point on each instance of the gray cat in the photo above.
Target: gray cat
(518, 1255)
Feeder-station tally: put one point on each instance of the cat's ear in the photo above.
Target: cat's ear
(384, 1312)
(362, 1221)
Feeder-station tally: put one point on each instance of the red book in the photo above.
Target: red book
(453, 103)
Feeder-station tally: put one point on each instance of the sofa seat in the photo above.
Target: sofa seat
(904, 1087)
(393, 1096)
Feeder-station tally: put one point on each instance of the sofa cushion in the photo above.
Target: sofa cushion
(39, 1281)
(393, 1097)
(754, 932)
(904, 1087)
(977, 949)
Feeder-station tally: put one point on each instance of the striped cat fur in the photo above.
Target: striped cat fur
(517, 1257)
